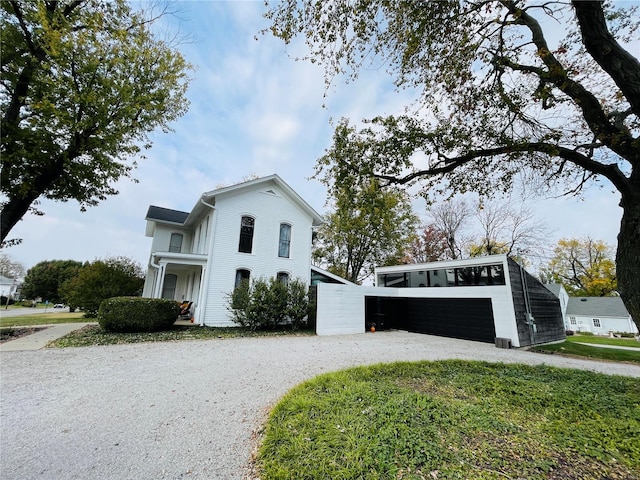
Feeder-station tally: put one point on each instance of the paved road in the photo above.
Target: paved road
(19, 312)
(184, 409)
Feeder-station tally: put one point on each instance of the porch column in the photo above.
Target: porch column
(157, 293)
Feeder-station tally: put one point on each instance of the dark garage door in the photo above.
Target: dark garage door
(467, 318)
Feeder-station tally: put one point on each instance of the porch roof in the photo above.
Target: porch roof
(179, 258)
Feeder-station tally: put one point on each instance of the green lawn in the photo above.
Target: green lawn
(620, 342)
(455, 420)
(572, 348)
(44, 319)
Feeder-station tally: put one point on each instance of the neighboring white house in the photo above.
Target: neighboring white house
(599, 315)
(259, 228)
(8, 286)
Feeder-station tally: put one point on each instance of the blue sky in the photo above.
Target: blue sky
(254, 109)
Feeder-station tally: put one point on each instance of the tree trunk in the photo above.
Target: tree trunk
(628, 255)
(12, 213)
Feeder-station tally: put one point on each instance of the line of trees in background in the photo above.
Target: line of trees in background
(83, 285)
(371, 225)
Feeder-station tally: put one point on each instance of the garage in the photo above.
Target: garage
(485, 299)
(465, 318)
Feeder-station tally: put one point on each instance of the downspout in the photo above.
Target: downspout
(529, 320)
(156, 283)
(204, 287)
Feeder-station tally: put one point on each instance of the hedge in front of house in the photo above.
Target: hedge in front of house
(136, 314)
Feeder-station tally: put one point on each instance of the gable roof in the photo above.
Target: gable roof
(597, 307)
(209, 198)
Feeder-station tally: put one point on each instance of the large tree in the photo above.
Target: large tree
(45, 279)
(369, 225)
(511, 90)
(102, 279)
(451, 218)
(509, 229)
(584, 266)
(83, 84)
(427, 244)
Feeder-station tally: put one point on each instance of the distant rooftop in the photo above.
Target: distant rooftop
(597, 307)
(166, 215)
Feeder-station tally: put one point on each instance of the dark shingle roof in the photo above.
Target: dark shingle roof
(166, 215)
(597, 307)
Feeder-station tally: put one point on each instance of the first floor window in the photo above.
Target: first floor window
(283, 277)
(242, 275)
(572, 320)
(169, 286)
(284, 246)
(596, 323)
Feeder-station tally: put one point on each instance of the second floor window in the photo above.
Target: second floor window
(175, 244)
(285, 240)
(246, 235)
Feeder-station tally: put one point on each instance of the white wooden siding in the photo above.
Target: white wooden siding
(269, 211)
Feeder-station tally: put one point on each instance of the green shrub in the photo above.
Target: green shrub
(267, 304)
(136, 314)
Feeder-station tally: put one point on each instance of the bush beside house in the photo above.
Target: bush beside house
(135, 314)
(267, 304)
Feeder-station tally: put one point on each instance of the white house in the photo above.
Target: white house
(599, 315)
(8, 286)
(259, 228)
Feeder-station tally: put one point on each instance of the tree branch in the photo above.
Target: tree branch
(617, 139)
(621, 66)
(610, 171)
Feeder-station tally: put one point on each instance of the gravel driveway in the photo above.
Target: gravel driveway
(184, 409)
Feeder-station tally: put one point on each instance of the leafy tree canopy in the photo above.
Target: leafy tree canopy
(369, 225)
(585, 267)
(543, 93)
(102, 279)
(45, 279)
(427, 244)
(83, 84)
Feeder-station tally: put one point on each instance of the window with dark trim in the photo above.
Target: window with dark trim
(283, 277)
(175, 243)
(242, 275)
(246, 234)
(596, 323)
(284, 246)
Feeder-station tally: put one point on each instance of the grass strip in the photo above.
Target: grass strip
(44, 319)
(586, 351)
(95, 335)
(455, 419)
(618, 342)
